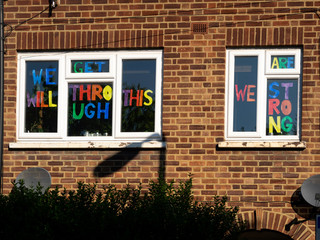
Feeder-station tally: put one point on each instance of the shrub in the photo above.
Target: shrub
(165, 211)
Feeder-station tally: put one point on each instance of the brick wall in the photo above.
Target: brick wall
(193, 92)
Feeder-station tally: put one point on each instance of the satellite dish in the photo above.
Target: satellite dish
(310, 190)
(32, 177)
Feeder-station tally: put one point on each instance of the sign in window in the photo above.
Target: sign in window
(41, 96)
(89, 66)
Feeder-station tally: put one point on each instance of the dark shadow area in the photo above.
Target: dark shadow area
(302, 208)
(117, 161)
(264, 234)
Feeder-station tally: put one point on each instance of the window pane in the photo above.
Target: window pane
(282, 107)
(90, 109)
(138, 95)
(283, 62)
(89, 66)
(41, 96)
(245, 94)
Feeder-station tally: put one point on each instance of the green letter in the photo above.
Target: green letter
(283, 62)
(75, 67)
(286, 127)
(74, 115)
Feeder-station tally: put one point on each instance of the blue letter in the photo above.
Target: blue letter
(36, 79)
(290, 62)
(91, 114)
(48, 76)
(105, 111)
(87, 68)
(276, 92)
(99, 64)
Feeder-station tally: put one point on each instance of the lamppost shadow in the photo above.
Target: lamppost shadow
(130, 152)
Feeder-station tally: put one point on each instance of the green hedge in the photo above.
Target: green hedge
(166, 211)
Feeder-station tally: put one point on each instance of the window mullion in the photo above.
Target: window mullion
(230, 94)
(63, 100)
(118, 100)
(261, 97)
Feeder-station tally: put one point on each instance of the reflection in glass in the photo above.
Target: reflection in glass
(90, 109)
(245, 94)
(41, 103)
(138, 95)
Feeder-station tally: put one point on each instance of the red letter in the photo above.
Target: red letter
(88, 92)
(240, 93)
(134, 98)
(38, 98)
(273, 104)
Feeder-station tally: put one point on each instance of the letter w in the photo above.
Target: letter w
(31, 100)
(36, 79)
(241, 93)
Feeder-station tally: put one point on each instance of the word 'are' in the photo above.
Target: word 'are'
(282, 62)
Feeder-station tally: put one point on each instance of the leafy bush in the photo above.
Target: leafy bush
(165, 211)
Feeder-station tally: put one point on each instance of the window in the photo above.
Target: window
(87, 96)
(263, 95)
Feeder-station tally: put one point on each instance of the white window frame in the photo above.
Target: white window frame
(281, 52)
(264, 73)
(21, 96)
(158, 100)
(66, 77)
(91, 56)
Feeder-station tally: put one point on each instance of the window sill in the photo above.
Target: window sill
(86, 145)
(284, 145)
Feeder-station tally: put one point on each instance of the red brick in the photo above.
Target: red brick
(194, 71)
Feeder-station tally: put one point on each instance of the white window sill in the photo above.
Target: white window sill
(86, 145)
(284, 145)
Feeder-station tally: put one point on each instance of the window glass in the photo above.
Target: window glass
(245, 94)
(89, 66)
(41, 103)
(90, 109)
(138, 95)
(282, 107)
(283, 62)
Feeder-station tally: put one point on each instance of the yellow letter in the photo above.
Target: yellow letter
(273, 124)
(50, 100)
(148, 97)
(275, 63)
(107, 93)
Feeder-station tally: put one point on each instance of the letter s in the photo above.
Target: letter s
(276, 91)
(148, 97)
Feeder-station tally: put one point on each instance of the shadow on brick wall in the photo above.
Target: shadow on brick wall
(133, 151)
(301, 207)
